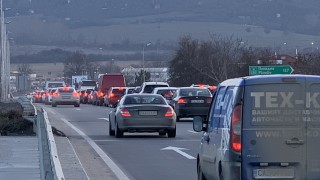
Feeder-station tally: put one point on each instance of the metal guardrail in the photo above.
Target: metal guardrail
(55, 162)
(50, 164)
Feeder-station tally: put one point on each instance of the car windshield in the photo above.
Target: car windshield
(195, 92)
(149, 88)
(144, 100)
(119, 91)
(66, 90)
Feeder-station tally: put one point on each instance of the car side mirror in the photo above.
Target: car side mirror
(198, 124)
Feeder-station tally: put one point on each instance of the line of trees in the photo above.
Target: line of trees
(212, 61)
(219, 58)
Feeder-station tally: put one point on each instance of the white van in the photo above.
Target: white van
(54, 84)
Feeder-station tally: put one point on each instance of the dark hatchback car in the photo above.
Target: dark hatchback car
(191, 101)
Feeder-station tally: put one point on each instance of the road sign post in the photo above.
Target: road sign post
(267, 70)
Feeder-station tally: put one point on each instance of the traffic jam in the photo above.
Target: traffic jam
(240, 120)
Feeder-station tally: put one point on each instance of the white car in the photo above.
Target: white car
(166, 92)
(65, 96)
(147, 87)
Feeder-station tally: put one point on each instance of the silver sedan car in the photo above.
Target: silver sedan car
(65, 96)
(142, 113)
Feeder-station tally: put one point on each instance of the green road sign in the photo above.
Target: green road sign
(266, 70)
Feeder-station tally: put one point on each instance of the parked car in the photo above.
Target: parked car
(251, 118)
(142, 113)
(113, 96)
(191, 101)
(147, 87)
(65, 96)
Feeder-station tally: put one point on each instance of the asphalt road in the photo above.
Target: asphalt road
(138, 155)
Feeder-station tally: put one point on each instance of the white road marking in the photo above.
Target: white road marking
(117, 171)
(78, 109)
(156, 139)
(192, 131)
(179, 151)
(107, 119)
(84, 170)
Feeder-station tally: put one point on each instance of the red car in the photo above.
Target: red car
(114, 95)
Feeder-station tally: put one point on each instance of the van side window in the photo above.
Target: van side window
(215, 109)
(226, 108)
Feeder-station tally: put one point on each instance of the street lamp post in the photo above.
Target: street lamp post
(143, 71)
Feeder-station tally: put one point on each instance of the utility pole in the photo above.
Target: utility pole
(2, 54)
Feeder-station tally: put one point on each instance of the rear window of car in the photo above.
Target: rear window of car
(54, 85)
(165, 91)
(66, 90)
(119, 91)
(150, 88)
(130, 91)
(144, 100)
(88, 83)
(195, 92)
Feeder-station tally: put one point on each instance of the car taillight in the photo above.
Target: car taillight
(75, 94)
(209, 100)
(101, 94)
(169, 112)
(236, 128)
(182, 101)
(47, 94)
(56, 94)
(111, 95)
(124, 112)
(85, 94)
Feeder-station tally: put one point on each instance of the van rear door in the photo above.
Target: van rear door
(313, 128)
(273, 129)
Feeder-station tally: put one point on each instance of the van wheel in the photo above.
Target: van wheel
(220, 172)
(200, 174)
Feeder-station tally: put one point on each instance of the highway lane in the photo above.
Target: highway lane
(139, 156)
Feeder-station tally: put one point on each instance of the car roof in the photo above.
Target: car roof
(261, 79)
(155, 83)
(193, 88)
(160, 88)
(144, 94)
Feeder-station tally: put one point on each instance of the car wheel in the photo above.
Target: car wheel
(172, 133)
(118, 132)
(77, 105)
(162, 133)
(200, 173)
(111, 132)
(54, 105)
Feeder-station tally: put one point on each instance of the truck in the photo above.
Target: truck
(105, 82)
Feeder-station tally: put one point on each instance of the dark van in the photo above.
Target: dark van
(262, 127)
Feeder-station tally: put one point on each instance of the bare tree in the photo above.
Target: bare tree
(25, 69)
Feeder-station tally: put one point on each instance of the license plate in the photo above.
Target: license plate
(197, 101)
(273, 173)
(148, 113)
(65, 97)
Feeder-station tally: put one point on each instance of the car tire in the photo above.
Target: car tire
(54, 105)
(118, 132)
(77, 105)
(172, 133)
(162, 133)
(200, 173)
(111, 132)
